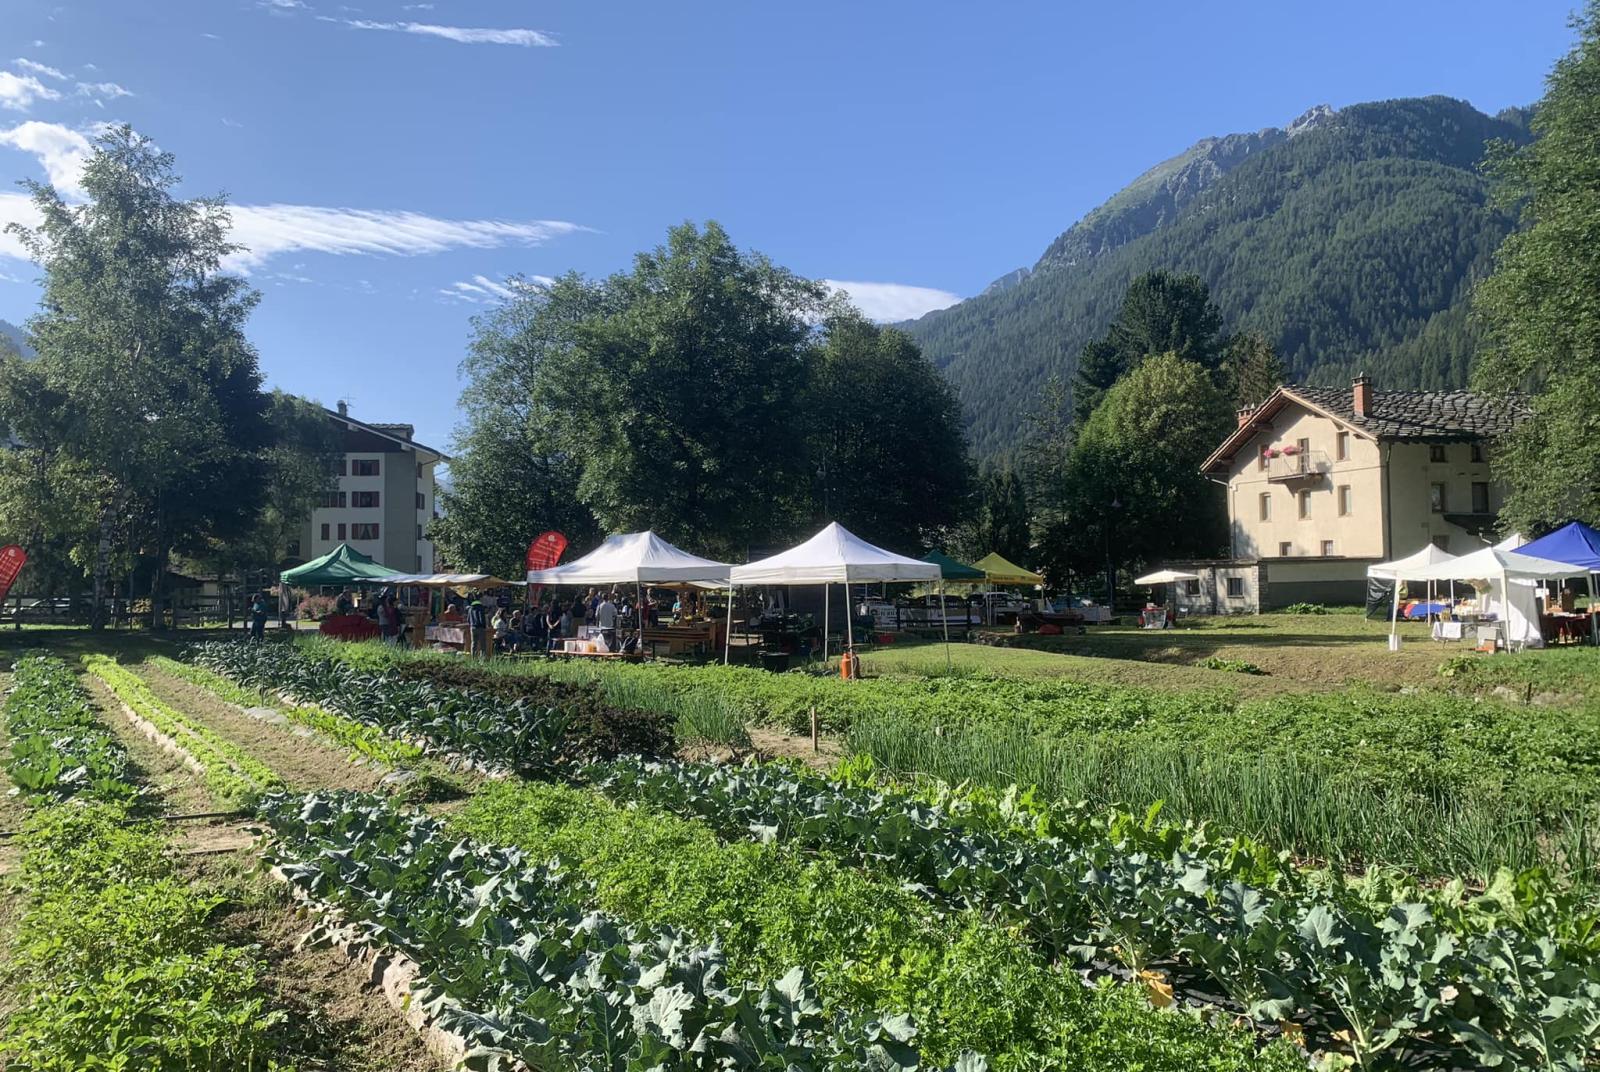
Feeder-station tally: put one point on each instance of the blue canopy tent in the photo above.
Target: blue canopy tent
(1576, 544)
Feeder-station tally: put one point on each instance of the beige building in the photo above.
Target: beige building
(385, 497)
(1323, 482)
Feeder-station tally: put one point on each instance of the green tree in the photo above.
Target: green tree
(1161, 313)
(1001, 521)
(144, 380)
(677, 399)
(1541, 307)
(885, 437)
(1132, 491)
(1251, 369)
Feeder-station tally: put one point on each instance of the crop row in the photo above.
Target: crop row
(229, 771)
(491, 732)
(59, 747)
(1455, 980)
(358, 737)
(112, 958)
(970, 983)
(515, 961)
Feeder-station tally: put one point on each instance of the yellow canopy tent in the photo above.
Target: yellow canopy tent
(998, 570)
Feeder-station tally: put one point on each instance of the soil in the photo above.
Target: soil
(178, 790)
(776, 744)
(304, 762)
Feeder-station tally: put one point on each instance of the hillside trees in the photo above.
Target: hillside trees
(1161, 313)
(708, 394)
(1541, 307)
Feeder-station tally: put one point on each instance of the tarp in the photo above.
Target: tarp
(952, 570)
(634, 558)
(1406, 569)
(1000, 571)
(834, 556)
(343, 565)
(1491, 562)
(1574, 543)
(1166, 576)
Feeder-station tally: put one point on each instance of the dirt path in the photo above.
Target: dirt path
(779, 744)
(303, 760)
(178, 790)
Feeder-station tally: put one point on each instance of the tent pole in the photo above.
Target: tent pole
(945, 616)
(827, 591)
(1394, 615)
(727, 640)
(849, 618)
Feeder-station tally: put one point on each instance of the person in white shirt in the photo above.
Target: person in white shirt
(605, 616)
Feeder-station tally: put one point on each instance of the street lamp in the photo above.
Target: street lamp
(1111, 573)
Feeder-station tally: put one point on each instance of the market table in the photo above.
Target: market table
(1562, 628)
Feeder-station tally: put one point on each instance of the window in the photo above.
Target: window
(364, 467)
(1478, 454)
(1343, 448)
(1266, 506)
(1191, 587)
(1327, 548)
(365, 498)
(1480, 497)
(332, 499)
(1345, 500)
(1285, 549)
(1303, 458)
(341, 532)
(1442, 542)
(324, 530)
(419, 530)
(422, 501)
(1235, 587)
(1261, 459)
(1436, 498)
(342, 465)
(1305, 505)
(1436, 452)
(363, 531)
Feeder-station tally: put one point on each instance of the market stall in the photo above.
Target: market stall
(1578, 545)
(1408, 568)
(421, 628)
(1509, 600)
(343, 567)
(644, 559)
(833, 556)
(1154, 617)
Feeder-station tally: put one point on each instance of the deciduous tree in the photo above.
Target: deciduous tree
(1161, 313)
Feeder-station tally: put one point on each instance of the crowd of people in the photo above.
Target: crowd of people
(507, 629)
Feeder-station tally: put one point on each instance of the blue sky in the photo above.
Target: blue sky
(394, 161)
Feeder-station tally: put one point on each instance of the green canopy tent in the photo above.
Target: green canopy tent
(951, 570)
(343, 565)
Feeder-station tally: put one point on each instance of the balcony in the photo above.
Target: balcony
(1302, 467)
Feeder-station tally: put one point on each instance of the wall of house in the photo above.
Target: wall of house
(1210, 593)
(1334, 582)
(1412, 471)
(1358, 534)
(398, 515)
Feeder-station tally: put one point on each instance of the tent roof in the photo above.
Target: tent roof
(1166, 576)
(834, 556)
(952, 570)
(1511, 543)
(1491, 562)
(1574, 543)
(343, 565)
(633, 558)
(1001, 571)
(1406, 569)
(449, 580)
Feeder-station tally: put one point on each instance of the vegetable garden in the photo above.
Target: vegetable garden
(595, 902)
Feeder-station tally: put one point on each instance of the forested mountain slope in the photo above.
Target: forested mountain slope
(11, 337)
(1351, 239)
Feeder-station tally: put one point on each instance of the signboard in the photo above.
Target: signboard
(12, 559)
(545, 550)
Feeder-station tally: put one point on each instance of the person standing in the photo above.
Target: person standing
(343, 604)
(258, 616)
(387, 628)
(477, 628)
(605, 615)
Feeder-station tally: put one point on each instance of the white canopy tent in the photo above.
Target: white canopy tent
(635, 558)
(1510, 578)
(834, 556)
(447, 580)
(1408, 568)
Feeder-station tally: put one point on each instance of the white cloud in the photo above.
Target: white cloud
(231, 123)
(268, 230)
(19, 91)
(466, 35)
(416, 7)
(60, 150)
(40, 68)
(15, 208)
(485, 291)
(889, 302)
(100, 92)
(281, 5)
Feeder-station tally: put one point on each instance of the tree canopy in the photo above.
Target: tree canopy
(1541, 307)
(1161, 313)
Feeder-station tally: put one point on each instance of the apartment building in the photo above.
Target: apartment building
(1323, 482)
(384, 500)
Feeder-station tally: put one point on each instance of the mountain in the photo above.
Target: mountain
(12, 335)
(1350, 238)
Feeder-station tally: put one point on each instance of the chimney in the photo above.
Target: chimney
(1361, 388)
(344, 408)
(1245, 413)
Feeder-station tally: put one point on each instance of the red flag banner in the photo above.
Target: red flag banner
(12, 559)
(545, 550)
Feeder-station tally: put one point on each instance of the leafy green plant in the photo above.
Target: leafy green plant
(59, 748)
(1235, 666)
(1304, 608)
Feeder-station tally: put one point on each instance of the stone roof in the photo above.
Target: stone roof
(1421, 414)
